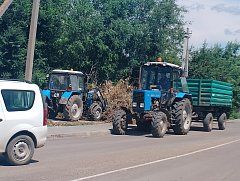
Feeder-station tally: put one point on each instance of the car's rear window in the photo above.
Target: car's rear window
(18, 100)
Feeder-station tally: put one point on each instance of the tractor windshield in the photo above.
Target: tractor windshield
(156, 77)
(66, 82)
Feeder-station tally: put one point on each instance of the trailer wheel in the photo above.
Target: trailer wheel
(120, 122)
(222, 121)
(159, 124)
(74, 108)
(182, 113)
(208, 122)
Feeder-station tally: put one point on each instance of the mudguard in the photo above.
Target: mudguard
(96, 95)
(66, 95)
(182, 95)
(46, 93)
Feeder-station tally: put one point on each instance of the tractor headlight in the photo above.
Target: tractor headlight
(134, 104)
(142, 105)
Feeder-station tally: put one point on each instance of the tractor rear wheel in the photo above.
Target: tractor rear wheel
(222, 121)
(182, 113)
(120, 123)
(159, 124)
(208, 122)
(74, 108)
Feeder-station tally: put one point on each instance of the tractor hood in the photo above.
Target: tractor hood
(142, 99)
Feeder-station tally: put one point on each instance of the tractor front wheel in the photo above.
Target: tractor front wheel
(95, 111)
(120, 123)
(74, 108)
(159, 124)
(182, 113)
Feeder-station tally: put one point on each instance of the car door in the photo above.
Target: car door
(3, 128)
(18, 109)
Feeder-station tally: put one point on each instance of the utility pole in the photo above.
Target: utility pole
(32, 40)
(186, 52)
(4, 6)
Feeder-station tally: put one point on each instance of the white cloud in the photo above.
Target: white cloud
(214, 21)
(235, 10)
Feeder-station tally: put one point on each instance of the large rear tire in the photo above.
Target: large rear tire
(182, 113)
(20, 150)
(159, 124)
(208, 122)
(120, 122)
(222, 121)
(74, 108)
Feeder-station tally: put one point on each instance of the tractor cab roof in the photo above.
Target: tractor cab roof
(163, 64)
(58, 71)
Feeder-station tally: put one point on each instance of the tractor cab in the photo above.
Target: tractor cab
(159, 83)
(158, 75)
(62, 80)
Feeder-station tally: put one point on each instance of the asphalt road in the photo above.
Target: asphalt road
(196, 156)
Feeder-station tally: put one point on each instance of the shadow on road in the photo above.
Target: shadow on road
(133, 131)
(4, 163)
(198, 128)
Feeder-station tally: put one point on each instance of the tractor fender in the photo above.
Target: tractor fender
(66, 96)
(183, 95)
(46, 93)
(95, 95)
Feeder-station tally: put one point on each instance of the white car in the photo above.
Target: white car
(23, 120)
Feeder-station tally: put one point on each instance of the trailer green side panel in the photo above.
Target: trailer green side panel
(210, 92)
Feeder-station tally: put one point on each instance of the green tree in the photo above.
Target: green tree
(219, 63)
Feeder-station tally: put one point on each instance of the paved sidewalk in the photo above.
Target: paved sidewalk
(83, 130)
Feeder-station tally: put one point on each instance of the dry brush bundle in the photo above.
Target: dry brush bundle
(117, 95)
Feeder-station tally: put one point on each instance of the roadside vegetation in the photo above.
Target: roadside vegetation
(105, 39)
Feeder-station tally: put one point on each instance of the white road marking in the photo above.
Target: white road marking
(156, 161)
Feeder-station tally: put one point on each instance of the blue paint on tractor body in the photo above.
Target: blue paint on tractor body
(46, 93)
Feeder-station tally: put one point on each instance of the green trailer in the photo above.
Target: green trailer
(210, 99)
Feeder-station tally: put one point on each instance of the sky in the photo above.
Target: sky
(213, 21)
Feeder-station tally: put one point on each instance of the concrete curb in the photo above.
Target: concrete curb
(80, 134)
(78, 131)
(82, 131)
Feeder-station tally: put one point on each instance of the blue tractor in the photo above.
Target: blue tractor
(66, 92)
(158, 104)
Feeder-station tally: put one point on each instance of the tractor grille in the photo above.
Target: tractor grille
(138, 97)
(138, 101)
